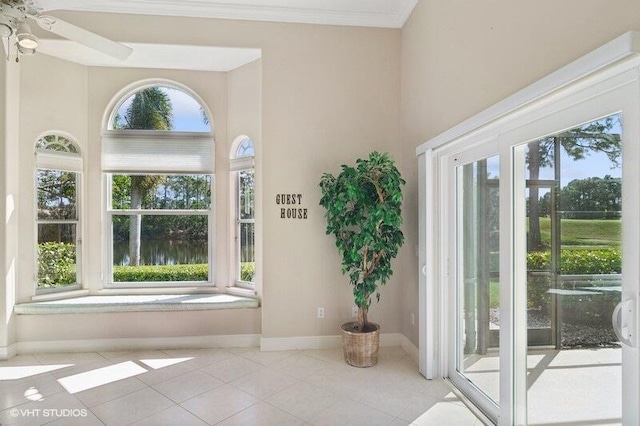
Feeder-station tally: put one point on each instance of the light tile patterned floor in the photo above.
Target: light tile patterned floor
(238, 386)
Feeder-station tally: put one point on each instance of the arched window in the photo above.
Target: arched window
(56, 143)
(243, 180)
(58, 171)
(160, 107)
(157, 157)
(245, 149)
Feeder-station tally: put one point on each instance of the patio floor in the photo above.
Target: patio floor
(565, 387)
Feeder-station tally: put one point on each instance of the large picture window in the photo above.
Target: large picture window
(58, 167)
(157, 156)
(160, 227)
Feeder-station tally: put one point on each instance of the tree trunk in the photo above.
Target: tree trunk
(362, 318)
(135, 225)
(535, 237)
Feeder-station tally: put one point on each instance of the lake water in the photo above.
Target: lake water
(153, 252)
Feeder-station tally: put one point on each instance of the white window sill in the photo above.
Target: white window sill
(114, 291)
(59, 295)
(242, 292)
(137, 303)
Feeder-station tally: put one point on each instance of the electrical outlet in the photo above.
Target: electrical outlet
(413, 318)
(320, 312)
(354, 311)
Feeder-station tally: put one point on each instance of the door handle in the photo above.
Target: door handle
(623, 322)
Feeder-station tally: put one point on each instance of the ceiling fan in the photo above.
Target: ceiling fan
(14, 17)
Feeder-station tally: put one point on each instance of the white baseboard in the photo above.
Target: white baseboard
(127, 344)
(228, 341)
(329, 342)
(294, 343)
(410, 348)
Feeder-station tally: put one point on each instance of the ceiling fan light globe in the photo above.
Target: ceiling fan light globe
(27, 41)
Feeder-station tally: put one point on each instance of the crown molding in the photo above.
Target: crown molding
(364, 13)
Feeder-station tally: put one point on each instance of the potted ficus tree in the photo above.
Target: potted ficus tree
(363, 212)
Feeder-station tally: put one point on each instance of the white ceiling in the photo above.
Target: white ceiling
(367, 13)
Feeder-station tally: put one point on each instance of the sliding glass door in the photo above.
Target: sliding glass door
(573, 223)
(542, 240)
(476, 315)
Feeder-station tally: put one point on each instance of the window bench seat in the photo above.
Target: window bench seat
(137, 303)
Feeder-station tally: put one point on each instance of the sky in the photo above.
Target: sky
(187, 116)
(595, 164)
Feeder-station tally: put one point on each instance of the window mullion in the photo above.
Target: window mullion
(158, 212)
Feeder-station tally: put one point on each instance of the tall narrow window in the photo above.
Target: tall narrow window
(158, 160)
(58, 168)
(242, 166)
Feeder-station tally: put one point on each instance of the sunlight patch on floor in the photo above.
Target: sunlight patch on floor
(100, 376)
(22, 371)
(453, 413)
(163, 362)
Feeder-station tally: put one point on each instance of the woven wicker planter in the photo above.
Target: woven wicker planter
(360, 348)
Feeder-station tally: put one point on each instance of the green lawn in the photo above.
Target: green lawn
(585, 232)
(576, 234)
(494, 294)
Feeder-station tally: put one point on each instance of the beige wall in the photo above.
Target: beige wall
(459, 58)
(137, 325)
(244, 105)
(9, 197)
(4, 299)
(4, 302)
(328, 95)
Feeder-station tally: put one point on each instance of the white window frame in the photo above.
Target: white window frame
(239, 163)
(71, 162)
(196, 144)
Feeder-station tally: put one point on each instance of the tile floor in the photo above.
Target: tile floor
(223, 387)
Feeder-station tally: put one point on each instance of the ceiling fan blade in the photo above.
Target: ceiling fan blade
(89, 39)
